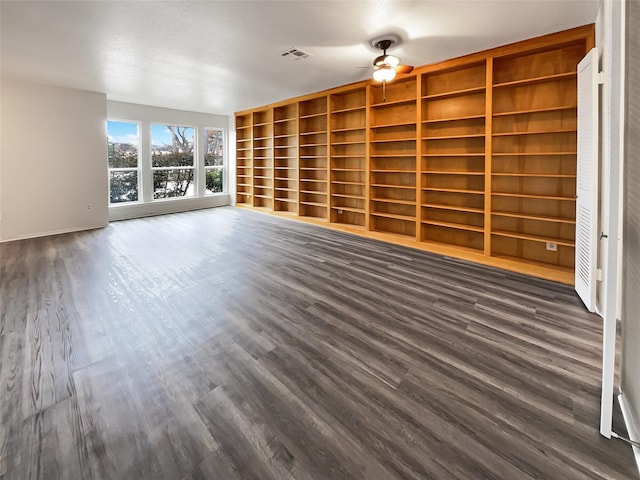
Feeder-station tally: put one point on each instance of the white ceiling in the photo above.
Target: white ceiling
(224, 56)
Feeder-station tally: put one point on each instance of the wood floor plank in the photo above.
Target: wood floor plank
(229, 344)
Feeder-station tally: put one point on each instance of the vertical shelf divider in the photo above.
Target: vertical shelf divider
(488, 136)
(419, 149)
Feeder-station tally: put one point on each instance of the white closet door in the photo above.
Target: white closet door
(587, 181)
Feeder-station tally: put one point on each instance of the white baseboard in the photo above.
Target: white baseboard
(632, 426)
(52, 232)
(162, 207)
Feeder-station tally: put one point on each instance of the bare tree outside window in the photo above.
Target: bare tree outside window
(214, 160)
(172, 161)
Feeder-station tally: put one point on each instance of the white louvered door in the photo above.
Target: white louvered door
(587, 180)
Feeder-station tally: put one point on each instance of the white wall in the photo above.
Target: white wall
(52, 160)
(148, 114)
(631, 264)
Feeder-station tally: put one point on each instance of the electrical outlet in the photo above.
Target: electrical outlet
(89, 207)
(552, 247)
(340, 211)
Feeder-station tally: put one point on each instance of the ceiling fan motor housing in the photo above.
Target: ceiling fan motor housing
(383, 43)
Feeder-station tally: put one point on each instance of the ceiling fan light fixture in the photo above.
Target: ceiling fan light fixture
(386, 59)
(385, 73)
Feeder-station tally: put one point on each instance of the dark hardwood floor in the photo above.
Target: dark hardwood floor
(229, 344)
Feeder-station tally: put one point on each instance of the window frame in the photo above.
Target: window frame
(193, 167)
(137, 169)
(206, 168)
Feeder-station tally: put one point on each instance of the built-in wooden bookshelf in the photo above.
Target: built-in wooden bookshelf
(473, 157)
(244, 160)
(392, 157)
(313, 138)
(534, 154)
(285, 158)
(263, 158)
(453, 156)
(348, 159)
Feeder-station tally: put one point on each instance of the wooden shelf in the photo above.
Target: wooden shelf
(347, 170)
(453, 207)
(351, 109)
(350, 129)
(312, 115)
(401, 187)
(526, 195)
(313, 192)
(411, 139)
(454, 93)
(453, 119)
(392, 171)
(535, 175)
(453, 137)
(541, 218)
(540, 132)
(349, 209)
(393, 102)
(528, 154)
(534, 238)
(459, 226)
(341, 182)
(288, 200)
(395, 216)
(536, 110)
(313, 132)
(315, 204)
(393, 200)
(529, 81)
(391, 125)
(451, 172)
(453, 154)
(453, 190)
(344, 195)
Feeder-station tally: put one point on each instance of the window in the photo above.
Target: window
(123, 161)
(172, 161)
(159, 162)
(214, 160)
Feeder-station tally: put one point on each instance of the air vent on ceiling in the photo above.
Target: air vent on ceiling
(295, 53)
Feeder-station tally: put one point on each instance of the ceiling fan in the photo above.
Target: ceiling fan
(386, 66)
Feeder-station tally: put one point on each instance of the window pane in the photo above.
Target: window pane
(173, 183)
(123, 186)
(171, 146)
(214, 180)
(123, 144)
(213, 154)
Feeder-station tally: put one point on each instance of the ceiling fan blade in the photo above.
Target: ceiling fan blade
(404, 68)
